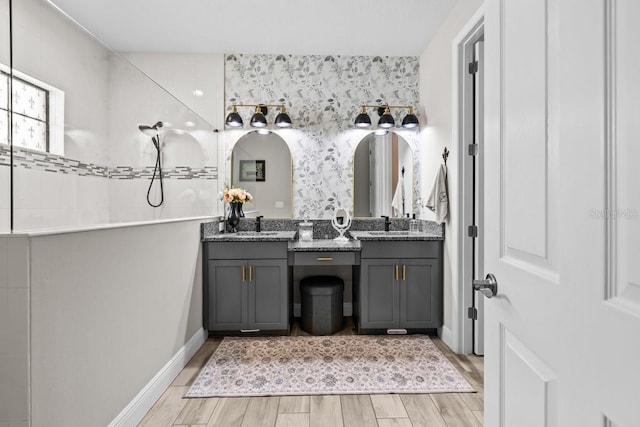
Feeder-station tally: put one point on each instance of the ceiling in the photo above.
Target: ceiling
(320, 27)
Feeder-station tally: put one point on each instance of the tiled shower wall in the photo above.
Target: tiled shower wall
(52, 191)
(107, 164)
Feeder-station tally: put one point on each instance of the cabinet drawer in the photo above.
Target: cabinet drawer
(402, 249)
(245, 250)
(324, 258)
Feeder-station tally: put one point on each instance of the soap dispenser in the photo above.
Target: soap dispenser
(305, 231)
(414, 225)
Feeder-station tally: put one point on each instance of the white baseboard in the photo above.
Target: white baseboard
(133, 413)
(446, 335)
(347, 309)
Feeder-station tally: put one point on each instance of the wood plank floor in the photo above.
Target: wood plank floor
(381, 410)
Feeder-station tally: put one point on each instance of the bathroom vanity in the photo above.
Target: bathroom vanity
(400, 284)
(248, 279)
(247, 286)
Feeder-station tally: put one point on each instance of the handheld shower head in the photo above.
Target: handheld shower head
(150, 130)
(154, 133)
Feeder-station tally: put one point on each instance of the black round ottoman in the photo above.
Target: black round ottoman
(321, 305)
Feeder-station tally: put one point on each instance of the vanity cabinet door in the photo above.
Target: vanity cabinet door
(268, 294)
(379, 293)
(227, 296)
(420, 293)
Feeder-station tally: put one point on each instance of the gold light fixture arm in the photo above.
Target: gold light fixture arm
(410, 107)
(234, 106)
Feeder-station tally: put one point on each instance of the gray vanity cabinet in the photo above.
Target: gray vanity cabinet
(400, 292)
(247, 294)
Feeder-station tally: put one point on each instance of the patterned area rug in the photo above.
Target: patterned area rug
(358, 364)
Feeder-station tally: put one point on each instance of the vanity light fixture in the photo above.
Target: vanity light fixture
(234, 119)
(363, 120)
(259, 118)
(282, 119)
(386, 120)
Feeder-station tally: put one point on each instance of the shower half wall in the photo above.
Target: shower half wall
(78, 156)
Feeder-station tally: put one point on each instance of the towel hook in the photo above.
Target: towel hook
(445, 155)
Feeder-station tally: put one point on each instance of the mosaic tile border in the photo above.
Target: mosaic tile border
(179, 172)
(29, 159)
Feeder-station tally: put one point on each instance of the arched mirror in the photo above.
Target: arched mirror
(383, 176)
(261, 164)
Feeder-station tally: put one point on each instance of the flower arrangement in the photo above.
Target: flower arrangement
(233, 195)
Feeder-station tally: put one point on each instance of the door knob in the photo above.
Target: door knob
(488, 286)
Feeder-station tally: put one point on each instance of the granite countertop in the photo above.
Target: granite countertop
(394, 235)
(250, 236)
(324, 245)
(282, 229)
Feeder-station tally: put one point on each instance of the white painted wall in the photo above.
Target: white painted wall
(436, 98)
(107, 313)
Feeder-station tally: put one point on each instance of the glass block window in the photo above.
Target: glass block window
(30, 114)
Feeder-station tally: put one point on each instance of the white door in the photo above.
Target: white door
(562, 206)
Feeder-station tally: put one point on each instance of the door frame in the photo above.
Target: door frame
(461, 339)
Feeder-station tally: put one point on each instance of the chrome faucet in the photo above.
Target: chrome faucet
(259, 223)
(387, 222)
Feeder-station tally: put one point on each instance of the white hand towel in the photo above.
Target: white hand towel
(398, 198)
(438, 201)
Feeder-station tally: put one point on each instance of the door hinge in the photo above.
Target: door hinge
(473, 149)
(472, 313)
(473, 231)
(473, 67)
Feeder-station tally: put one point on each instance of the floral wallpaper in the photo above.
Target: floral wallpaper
(322, 95)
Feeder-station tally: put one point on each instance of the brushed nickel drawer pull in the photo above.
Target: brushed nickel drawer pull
(404, 272)
(397, 272)
(326, 258)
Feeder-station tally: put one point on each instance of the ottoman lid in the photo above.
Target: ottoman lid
(321, 285)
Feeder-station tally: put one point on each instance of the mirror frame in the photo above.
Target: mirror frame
(231, 137)
(411, 140)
